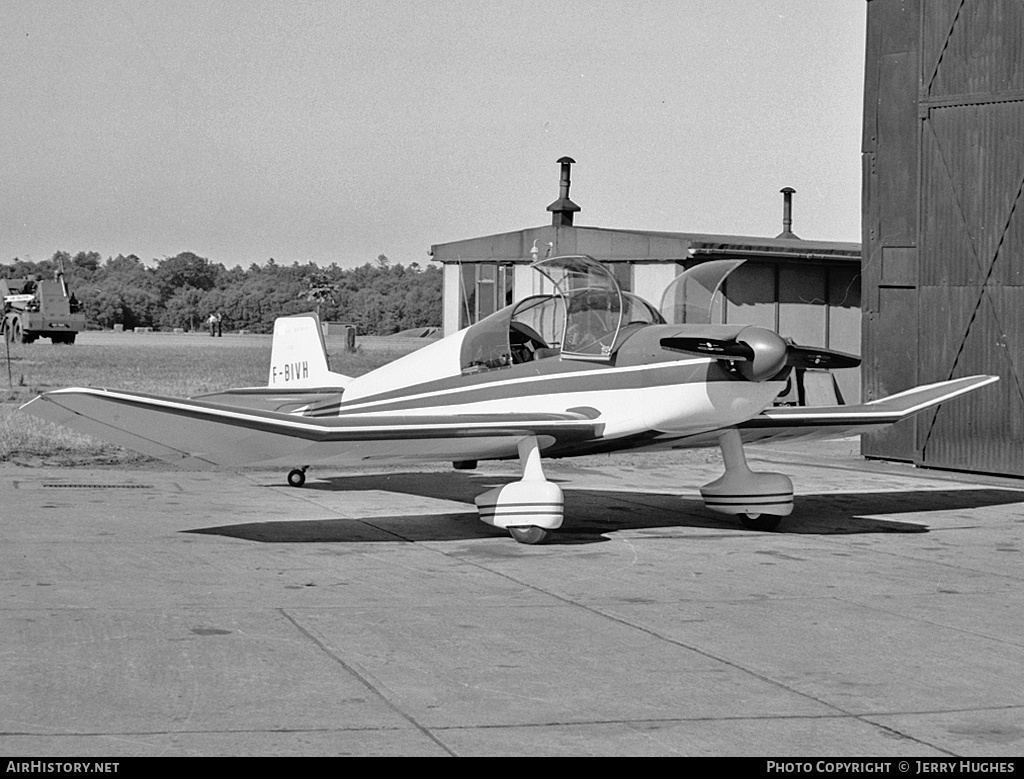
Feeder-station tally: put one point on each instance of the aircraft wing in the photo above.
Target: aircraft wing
(838, 421)
(787, 423)
(204, 434)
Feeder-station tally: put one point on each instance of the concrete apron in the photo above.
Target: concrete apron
(154, 612)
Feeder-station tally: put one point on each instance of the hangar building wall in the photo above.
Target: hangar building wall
(943, 225)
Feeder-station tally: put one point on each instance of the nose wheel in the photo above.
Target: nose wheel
(760, 500)
(297, 476)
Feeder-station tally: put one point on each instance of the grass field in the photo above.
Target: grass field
(165, 364)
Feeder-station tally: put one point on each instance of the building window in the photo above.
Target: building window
(623, 273)
(486, 287)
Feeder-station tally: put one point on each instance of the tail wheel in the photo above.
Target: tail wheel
(297, 477)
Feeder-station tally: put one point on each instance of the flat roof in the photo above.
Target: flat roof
(611, 244)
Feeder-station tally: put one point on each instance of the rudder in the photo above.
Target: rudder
(298, 355)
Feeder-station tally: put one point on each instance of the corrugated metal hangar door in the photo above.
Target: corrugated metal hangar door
(958, 282)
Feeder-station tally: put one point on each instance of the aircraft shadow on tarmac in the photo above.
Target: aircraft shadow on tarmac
(592, 515)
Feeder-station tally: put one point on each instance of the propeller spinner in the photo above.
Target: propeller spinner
(760, 354)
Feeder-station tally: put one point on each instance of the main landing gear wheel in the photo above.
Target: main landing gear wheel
(529, 508)
(760, 521)
(529, 534)
(297, 477)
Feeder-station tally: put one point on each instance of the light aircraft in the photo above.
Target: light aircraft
(586, 368)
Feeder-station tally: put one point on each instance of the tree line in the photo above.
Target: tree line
(379, 298)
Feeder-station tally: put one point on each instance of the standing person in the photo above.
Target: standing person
(220, 322)
(212, 324)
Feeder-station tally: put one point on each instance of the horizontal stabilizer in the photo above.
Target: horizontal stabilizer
(285, 401)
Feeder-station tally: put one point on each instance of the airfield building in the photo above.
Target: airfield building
(807, 290)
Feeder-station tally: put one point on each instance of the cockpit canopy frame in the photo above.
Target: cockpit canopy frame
(593, 305)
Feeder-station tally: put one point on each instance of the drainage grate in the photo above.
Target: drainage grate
(55, 485)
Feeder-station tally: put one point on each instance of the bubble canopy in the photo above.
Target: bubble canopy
(593, 305)
(581, 321)
(690, 299)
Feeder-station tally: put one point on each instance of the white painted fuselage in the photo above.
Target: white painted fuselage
(649, 400)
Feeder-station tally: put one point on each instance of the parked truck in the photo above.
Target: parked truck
(35, 308)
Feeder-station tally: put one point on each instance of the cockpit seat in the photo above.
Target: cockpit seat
(526, 343)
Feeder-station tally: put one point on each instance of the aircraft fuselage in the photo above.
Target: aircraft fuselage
(641, 396)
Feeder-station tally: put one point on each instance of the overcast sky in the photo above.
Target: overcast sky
(338, 131)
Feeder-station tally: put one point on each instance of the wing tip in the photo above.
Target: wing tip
(956, 388)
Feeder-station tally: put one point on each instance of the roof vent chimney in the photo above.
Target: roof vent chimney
(787, 215)
(563, 209)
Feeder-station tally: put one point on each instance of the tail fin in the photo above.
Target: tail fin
(298, 357)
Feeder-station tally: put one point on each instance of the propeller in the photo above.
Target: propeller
(759, 353)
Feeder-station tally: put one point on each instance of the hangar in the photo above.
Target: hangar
(807, 290)
(943, 225)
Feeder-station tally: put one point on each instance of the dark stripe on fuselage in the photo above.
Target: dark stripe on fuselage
(528, 380)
